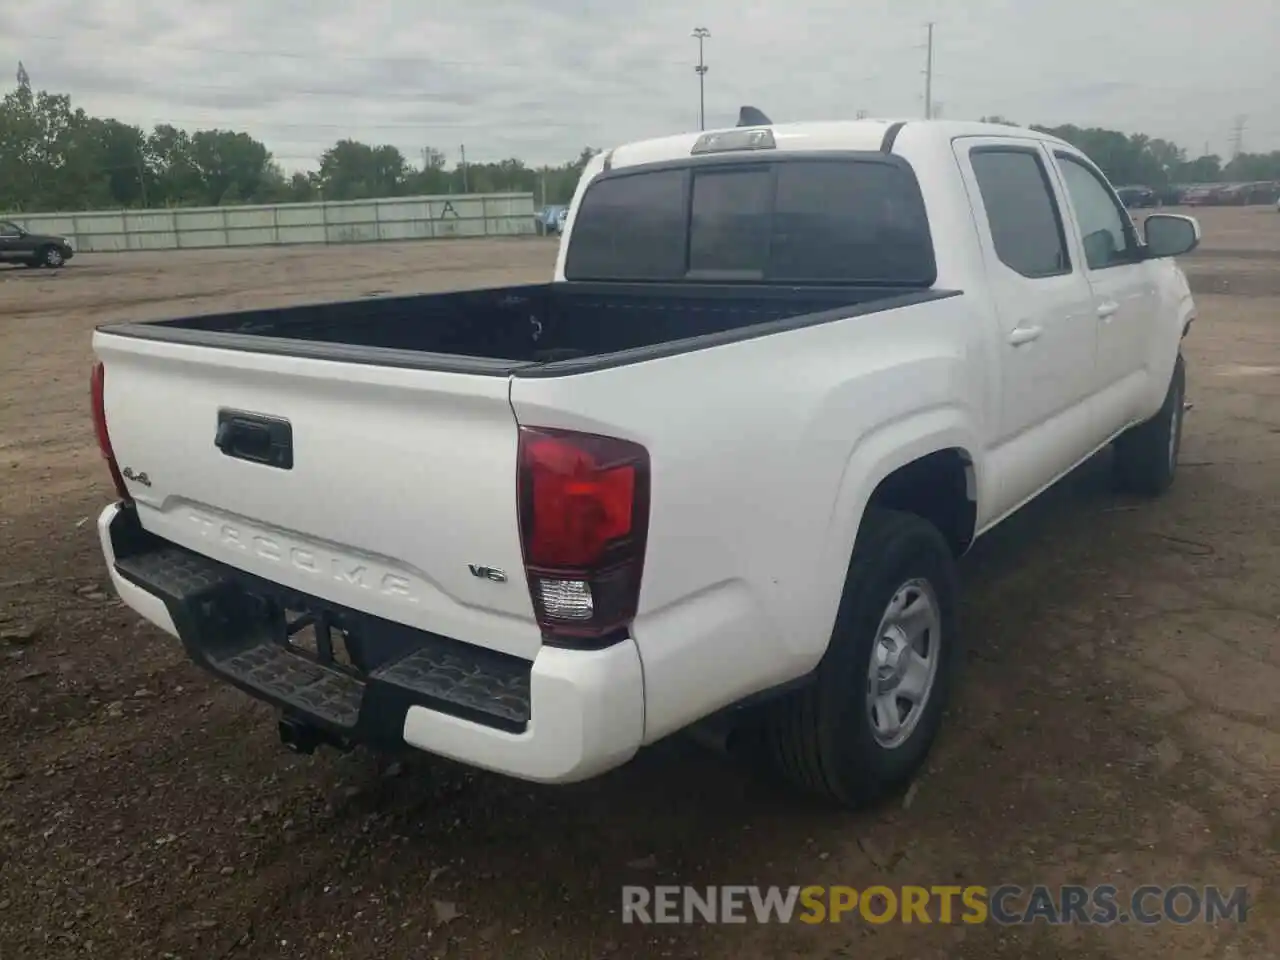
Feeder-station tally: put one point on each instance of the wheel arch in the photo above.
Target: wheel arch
(940, 487)
(899, 454)
(892, 466)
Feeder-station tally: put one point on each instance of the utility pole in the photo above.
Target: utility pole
(464, 169)
(142, 176)
(928, 75)
(1237, 136)
(701, 34)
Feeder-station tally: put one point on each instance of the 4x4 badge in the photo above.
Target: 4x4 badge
(141, 478)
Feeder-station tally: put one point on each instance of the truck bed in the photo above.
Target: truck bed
(504, 329)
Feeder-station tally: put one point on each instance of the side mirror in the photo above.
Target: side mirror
(1169, 235)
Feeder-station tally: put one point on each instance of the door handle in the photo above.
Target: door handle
(1024, 334)
(1108, 309)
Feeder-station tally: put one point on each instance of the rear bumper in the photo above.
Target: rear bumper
(566, 716)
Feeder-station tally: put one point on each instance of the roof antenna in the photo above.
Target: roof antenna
(751, 117)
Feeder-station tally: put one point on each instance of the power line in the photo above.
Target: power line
(125, 43)
(235, 52)
(209, 123)
(416, 96)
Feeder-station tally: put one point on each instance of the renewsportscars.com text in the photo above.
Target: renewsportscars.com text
(1006, 904)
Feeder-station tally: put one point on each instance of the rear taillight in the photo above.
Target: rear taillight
(97, 389)
(584, 514)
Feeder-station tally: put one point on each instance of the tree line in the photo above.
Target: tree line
(1135, 158)
(54, 156)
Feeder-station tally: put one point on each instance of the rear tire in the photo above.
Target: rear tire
(836, 737)
(1146, 456)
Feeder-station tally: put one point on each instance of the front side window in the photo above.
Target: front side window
(9, 230)
(1105, 228)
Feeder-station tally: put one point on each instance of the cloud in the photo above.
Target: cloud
(542, 80)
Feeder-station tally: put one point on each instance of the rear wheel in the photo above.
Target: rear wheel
(864, 728)
(1146, 456)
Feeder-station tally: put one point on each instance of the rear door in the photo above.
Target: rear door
(10, 241)
(396, 484)
(1045, 307)
(1123, 285)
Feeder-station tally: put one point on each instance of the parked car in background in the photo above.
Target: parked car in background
(1201, 195)
(1133, 197)
(33, 249)
(1257, 193)
(550, 219)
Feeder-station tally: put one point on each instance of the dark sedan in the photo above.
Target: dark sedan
(1133, 197)
(32, 249)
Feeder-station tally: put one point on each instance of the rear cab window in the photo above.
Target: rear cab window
(793, 219)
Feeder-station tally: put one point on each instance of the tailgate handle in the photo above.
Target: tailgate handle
(256, 438)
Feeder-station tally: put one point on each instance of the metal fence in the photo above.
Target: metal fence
(354, 221)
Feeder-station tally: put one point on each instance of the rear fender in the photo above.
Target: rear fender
(877, 455)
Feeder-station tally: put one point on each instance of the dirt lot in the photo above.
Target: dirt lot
(1120, 720)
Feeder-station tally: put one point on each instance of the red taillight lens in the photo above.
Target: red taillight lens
(97, 393)
(584, 514)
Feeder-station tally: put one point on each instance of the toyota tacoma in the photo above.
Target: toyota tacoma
(721, 465)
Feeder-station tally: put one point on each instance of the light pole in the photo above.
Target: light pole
(928, 76)
(701, 34)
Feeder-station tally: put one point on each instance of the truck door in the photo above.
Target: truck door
(1046, 314)
(1124, 291)
(10, 241)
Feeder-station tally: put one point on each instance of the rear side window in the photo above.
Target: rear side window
(790, 221)
(1026, 225)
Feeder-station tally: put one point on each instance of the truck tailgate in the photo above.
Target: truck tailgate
(399, 499)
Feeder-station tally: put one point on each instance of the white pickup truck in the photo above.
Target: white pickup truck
(721, 466)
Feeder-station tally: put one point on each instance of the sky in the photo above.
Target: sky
(541, 79)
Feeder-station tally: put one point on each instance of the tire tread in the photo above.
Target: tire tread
(799, 743)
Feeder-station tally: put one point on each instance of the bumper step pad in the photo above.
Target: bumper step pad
(220, 616)
(306, 686)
